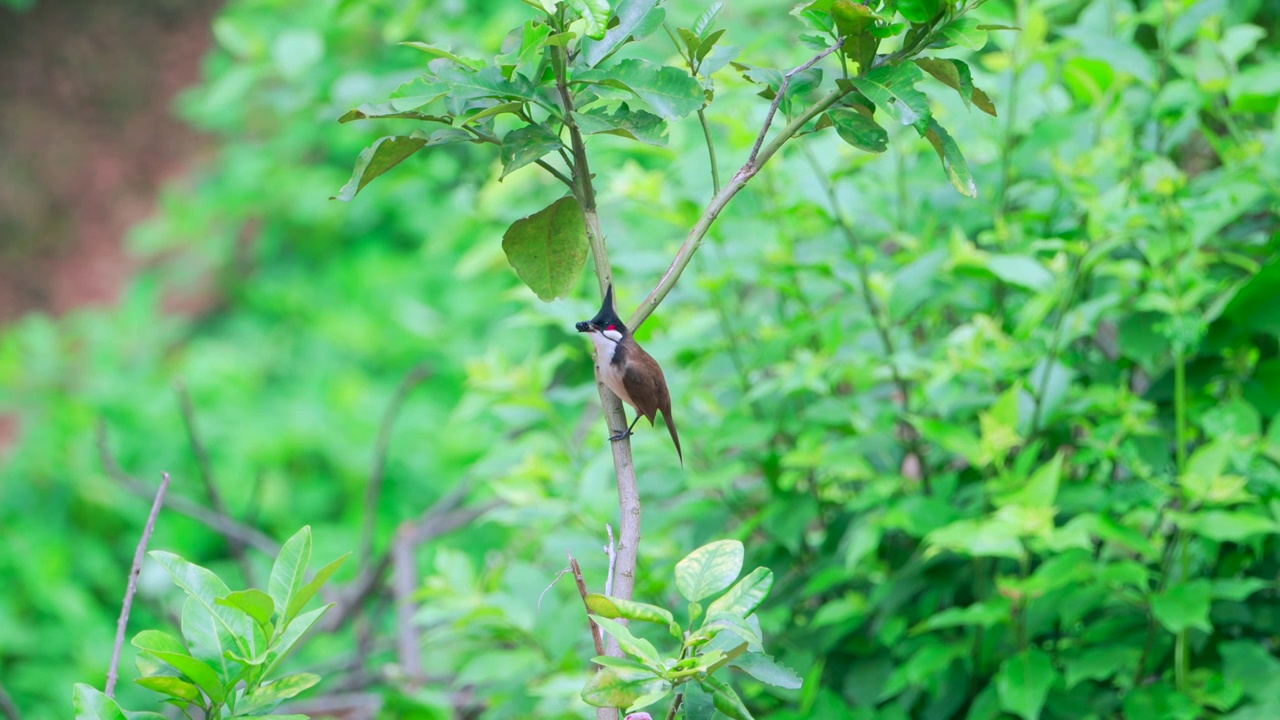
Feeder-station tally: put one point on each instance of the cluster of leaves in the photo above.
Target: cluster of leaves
(560, 73)
(727, 635)
(234, 642)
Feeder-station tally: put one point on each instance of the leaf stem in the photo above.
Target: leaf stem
(711, 151)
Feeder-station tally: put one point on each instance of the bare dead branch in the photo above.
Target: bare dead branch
(596, 636)
(113, 672)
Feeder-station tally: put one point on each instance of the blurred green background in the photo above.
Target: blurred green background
(1065, 457)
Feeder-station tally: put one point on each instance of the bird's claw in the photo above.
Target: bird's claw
(620, 436)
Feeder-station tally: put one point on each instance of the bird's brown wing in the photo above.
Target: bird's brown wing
(647, 387)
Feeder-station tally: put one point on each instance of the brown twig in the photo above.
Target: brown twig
(234, 544)
(113, 672)
(227, 526)
(378, 472)
(596, 636)
(782, 92)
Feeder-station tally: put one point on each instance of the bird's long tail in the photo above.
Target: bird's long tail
(675, 436)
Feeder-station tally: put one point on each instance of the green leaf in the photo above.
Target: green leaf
(966, 32)
(619, 688)
(953, 162)
(464, 85)
(636, 19)
(956, 75)
(209, 628)
(707, 19)
(725, 699)
(1023, 683)
(157, 640)
(859, 130)
(596, 15)
(769, 671)
(855, 22)
(548, 248)
(418, 92)
(1226, 525)
(709, 569)
(253, 602)
(1184, 606)
(269, 696)
(385, 153)
(918, 11)
(370, 111)
(632, 645)
(91, 704)
(698, 703)
(171, 686)
(288, 639)
(1021, 270)
(309, 590)
(1099, 663)
(892, 89)
(434, 51)
(624, 122)
(1112, 531)
(289, 572)
(1041, 490)
(745, 596)
(200, 673)
(613, 608)
(525, 145)
(668, 91)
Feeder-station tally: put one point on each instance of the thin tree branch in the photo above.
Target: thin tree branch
(760, 154)
(711, 151)
(373, 494)
(227, 526)
(596, 636)
(113, 672)
(234, 544)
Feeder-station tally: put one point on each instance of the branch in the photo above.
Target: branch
(7, 705)
(113, 672)
(378, 472)
(760, 154)
(493, 140)
(235, 545)
(596, 636)
(229, 527)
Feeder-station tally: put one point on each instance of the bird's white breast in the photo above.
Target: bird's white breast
(610, 374)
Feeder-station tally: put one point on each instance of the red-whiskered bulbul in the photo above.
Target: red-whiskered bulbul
(630, 372)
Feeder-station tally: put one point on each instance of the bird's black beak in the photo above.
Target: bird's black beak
(585, 326)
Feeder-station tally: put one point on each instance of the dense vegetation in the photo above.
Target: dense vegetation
(1012, 456)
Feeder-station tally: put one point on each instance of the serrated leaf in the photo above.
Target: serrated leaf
(636, 18)
(892, 89)
(526, 145)
(548, 248)
(953, 162)
(596, 15)
(638, 125)
(709, 569)
(668, 91)
(385, 153)
(309, 590)
(434, 51)
(745, 596)
(171, 686)
(91, 704)
(769, 671)
(859, 130)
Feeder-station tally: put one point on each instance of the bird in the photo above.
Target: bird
(630, 372)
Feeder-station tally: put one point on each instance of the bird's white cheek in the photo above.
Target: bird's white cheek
(604, 347)
(613, 335)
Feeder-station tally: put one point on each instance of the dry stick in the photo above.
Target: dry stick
(582, 590)
(378, 472)
(113, 672)
(227, 526)
(234, 544)
(760, 154)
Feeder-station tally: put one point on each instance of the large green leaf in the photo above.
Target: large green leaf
(595, 13)
(309, 590)
(171, 686)
(636, 19)
(385, 153)
(668, 91)
(638, 648)
(253, 602)
(745, 596)
(1184, 605)
(204, 676)
(637, 125)
(288, 640)
(91, 704)
(726, 700)
(769, 671)
(548, 248)
(210, 629)
(289, 572)
(953, 162)
(613, 608)
(956, 75)
(859, 130)
(709, 569)
(269, 696)
(918, 11)
(619, 688)
(892, 89)
(1023, 683)
(526, 145)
